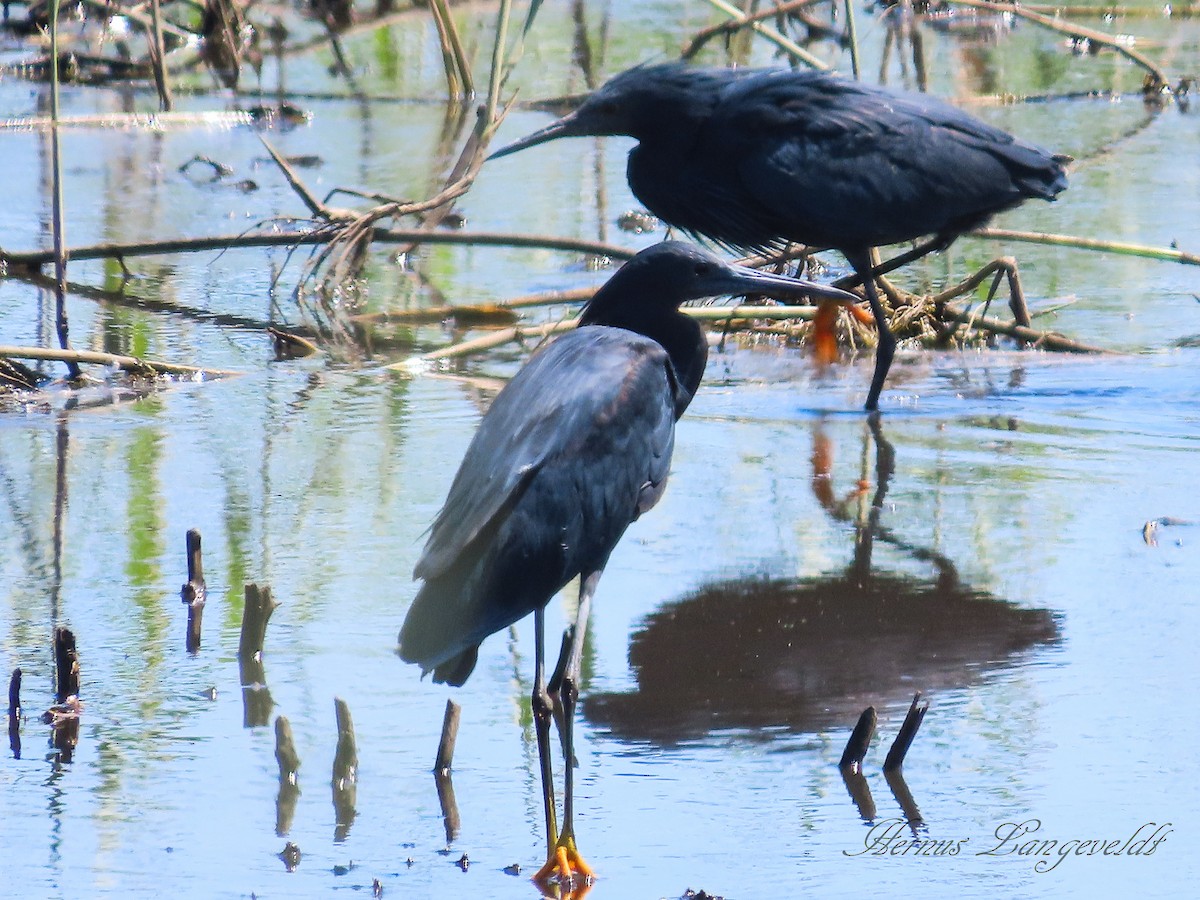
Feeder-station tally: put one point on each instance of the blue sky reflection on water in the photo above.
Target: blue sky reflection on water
(1021, 484)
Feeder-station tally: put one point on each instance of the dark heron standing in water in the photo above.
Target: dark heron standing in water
(755, 158)
(574, 449)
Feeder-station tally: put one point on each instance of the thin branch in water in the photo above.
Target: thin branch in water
(458, 67)
(56, 201)
(156, 58)
(129, 364)
(19, 264)
(1081, 243)
(745, 21)
(1099, 38)
(770, 34)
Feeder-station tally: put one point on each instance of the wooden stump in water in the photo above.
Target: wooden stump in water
(445, 753)
(14, 694)
(14, 714)
(860, 741)
(194, 593)
(66, 662)
(255, 615)
(289, 786)
(908, 731)
(345, 772)
(256, 698)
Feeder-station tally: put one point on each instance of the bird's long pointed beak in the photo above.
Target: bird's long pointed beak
(742, 280)
(556, 129)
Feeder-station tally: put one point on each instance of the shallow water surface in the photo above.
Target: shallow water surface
(984, 545)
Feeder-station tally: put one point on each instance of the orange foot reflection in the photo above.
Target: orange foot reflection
(565, 876)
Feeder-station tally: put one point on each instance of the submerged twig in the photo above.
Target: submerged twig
(1045, 340)
(1081, 243)
(128, 363)
(1077, 31)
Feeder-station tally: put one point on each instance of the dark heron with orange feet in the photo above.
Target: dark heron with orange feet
(574, 449)
(755, 158)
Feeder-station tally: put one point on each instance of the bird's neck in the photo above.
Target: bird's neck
(681, 336)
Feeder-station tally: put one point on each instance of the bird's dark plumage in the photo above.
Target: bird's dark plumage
(754, 158)
(574, 449)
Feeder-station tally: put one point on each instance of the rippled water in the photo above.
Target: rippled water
(741, 626)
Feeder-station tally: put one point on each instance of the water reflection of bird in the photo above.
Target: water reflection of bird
(808, 654)
(754, 158)
(574, 449)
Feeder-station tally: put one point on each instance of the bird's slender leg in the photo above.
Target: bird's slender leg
(543, 714)
(933, 245)
(885, 348)
(565, 861)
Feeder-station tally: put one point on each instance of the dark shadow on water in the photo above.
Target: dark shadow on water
(809, 654)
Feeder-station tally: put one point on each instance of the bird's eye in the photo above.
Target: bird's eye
(703, 268)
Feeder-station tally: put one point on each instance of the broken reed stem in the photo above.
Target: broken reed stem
(445, 752)
(904, 738)
(1078, 31)
(157, 58)
(770, 34)
(852, 36)
(66, 664)
(257, 612)
(454, 88)
(128, 363)
(457, 62)
(58, 224)
(860, 741)
(498, 75)
(194, 592)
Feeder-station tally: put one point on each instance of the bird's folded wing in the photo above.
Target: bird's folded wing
(571, 397)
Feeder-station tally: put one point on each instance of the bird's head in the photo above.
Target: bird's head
(668, 274)
(645, 102)
(644, 296)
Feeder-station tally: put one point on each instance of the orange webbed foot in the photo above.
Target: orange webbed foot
(566, 870)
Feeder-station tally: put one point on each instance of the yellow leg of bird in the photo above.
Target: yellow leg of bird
(566, 867)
